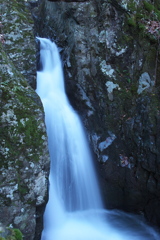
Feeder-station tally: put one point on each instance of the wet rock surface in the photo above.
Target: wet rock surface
(111, 62)
(110, 51)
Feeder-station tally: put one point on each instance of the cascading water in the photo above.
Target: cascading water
(74, 210)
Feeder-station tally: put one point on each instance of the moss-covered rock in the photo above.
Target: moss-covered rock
(24, 155)
(17, 37)
(10, 233)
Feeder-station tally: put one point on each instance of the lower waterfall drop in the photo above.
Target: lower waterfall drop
(75, 210)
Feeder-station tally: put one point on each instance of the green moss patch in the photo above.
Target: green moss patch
(11, 234)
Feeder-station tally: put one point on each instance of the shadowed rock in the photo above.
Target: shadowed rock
(68, 0)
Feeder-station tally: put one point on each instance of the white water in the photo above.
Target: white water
(75, 210)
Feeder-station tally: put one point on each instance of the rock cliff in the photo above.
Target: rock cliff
(111, 55)
(24, 159)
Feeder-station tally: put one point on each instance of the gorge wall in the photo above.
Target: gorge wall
(111, 54)
(24, 158)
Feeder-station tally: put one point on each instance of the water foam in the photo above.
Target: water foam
(75, 209)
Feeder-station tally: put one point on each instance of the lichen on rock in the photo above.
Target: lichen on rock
(115, 42)
(23, 151)
(145, 82)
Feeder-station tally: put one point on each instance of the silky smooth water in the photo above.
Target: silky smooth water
(75, 210)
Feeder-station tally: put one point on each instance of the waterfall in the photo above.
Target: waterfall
(74, 210)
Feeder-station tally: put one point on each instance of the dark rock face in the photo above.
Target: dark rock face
(111, 55)
(68, 0)
(24, 153)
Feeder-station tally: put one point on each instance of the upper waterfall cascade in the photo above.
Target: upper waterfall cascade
(75, 209)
